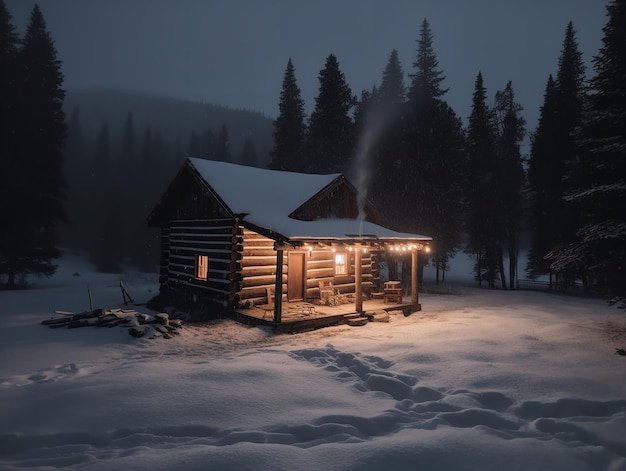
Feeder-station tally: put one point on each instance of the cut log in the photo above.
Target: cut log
(137, 331)
(162, 329)
(89, 314)
(177, 323)
(56, 320)
(109, 318)
(78, 323)
(142, 318)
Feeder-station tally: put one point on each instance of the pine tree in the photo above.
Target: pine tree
(128, 150)
(392, 91)
(331, 129)
(105, 229)
(78, 168)
(426, 82)
(8, 83)
(510, 128)
(38, 185)
(221, 150)
(194, 148)
(289, 127)
(208, 144)
(430, 188)
(544, 178)
(147, 148)
(379, 119)
(142, 239)
(484, 224)
(596, 184)
(248, 155)
(9, 159)
(364, 113)
(418, 136)
(125, 169)
(552, 221)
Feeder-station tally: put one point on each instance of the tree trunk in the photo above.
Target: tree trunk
(512, 265)
(502, 274)
(11, 280)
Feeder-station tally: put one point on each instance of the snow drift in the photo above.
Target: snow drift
(477, 380)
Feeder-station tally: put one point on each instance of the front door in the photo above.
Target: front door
(295, 277)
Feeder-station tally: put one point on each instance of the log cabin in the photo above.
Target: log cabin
(263, 244)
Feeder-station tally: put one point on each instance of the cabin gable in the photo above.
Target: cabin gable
(188, 197)
(338, 200)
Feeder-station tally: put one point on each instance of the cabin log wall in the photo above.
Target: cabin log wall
(165, 257)
(242, 264)
(258, 268)
(321, 267)
(218, 239)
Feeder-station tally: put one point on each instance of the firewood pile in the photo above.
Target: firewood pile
(138, 324)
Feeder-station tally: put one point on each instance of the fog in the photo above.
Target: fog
(234, 53)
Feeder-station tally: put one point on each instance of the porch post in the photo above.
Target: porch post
(414, 274)
(357, 281)
(278, 287)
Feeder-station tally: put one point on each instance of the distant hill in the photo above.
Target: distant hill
(173, 118)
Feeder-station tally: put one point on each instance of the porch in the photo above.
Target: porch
(300, 316)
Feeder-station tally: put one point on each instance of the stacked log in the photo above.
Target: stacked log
(138, 324)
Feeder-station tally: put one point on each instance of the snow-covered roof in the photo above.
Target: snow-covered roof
(265, 198)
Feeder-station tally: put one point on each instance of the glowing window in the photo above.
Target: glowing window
(202, 267)
(341, 264)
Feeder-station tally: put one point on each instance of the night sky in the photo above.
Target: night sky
(234, 53)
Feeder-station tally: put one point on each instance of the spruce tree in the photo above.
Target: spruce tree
(596, 181)
(289, 127)
(392, 91)
(248, 155)
(381, 112)
(484, 223)
(427, 79)
(125, 167)
(73, 234)
(380, 120)
(430, 187)
(146, 151)
(194, 148)
(106, 227)
(419, 136)
(37, 188)
(545, 182)
(331, 129)
(552, 221)
(9, 158)
(221, 150)
(208, 144)
(363, 113)
(8, 83)
(510, 129)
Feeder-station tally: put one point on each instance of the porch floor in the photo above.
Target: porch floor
(303, 315)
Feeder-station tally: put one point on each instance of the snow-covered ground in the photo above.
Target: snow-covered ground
(479, 380)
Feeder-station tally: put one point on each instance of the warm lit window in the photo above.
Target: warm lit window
(341, 264)
(202, 267)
